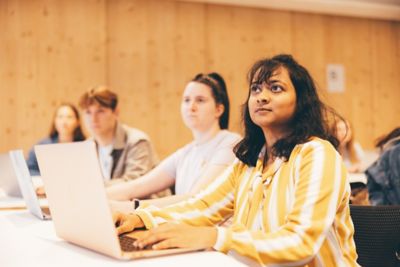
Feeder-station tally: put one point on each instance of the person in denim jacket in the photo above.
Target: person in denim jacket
(384, 174)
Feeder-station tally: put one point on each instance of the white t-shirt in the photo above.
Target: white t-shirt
(106, 160)
(189, 162)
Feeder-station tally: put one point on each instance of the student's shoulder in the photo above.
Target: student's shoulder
(393, 151)
(184, 150)
(134, 135)
(241, 167)
(315, 145)
(226, 137)
(232, 135)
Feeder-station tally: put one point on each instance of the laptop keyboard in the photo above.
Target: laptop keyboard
(126, 243)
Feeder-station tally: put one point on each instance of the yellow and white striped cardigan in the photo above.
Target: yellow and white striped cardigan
(296, 213)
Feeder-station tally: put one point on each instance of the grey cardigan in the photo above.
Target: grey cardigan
(133, 154)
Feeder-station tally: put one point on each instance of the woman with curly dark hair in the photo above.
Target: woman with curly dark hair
(288, 191)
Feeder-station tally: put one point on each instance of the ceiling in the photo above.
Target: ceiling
(375, 9)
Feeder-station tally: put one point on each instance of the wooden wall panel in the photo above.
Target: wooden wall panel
(155, 48)
(51, 51)
(236, 38)
(309, 32)
(348, 43)
(386, 79)
(8, 62)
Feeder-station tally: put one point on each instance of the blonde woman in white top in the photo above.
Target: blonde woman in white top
(205, 111)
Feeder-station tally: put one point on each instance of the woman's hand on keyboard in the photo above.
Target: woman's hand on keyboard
(121, 206)
(126, 222)
(173, 235)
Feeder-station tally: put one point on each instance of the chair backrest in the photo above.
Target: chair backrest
(377, 235)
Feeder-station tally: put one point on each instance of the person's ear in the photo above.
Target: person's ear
(220, 110)
(116, 112)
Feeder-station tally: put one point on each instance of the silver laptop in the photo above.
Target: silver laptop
(26, 186)
(8, 178)
(77, 198)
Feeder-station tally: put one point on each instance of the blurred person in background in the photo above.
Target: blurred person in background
(384, 174)
(65, 127)
(351, 151)
(352, 155)
(205, 111)
(125, 153)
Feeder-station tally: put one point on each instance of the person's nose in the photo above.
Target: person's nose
(192, 106)
(92, 117)
(263, 97)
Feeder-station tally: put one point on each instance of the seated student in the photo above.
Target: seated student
(288, 192)
(349, 148)
(384, 174)
(352, 155)
(205, 111)
(125, 153)
(65, 127)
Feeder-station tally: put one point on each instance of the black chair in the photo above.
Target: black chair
(377, 235)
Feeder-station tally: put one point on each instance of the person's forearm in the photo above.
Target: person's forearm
(165, 201)
(120, 191)
(138, 188)
(122, 206)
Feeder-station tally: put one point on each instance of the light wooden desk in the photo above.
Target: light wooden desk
(10, 203)
(27, 241)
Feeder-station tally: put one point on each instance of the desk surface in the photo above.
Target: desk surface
(10, 203)
(27, 241)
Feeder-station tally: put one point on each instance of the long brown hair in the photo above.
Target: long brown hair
(78, 133)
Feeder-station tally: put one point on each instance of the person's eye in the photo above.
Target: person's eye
(255, 88)
(275, 88)
(185, 100)
(201, 100)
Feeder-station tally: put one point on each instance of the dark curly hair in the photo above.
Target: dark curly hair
(310, 117)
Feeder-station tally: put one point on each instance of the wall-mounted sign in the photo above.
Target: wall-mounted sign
(335, 78)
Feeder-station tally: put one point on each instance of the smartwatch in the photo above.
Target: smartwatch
(136, 203)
